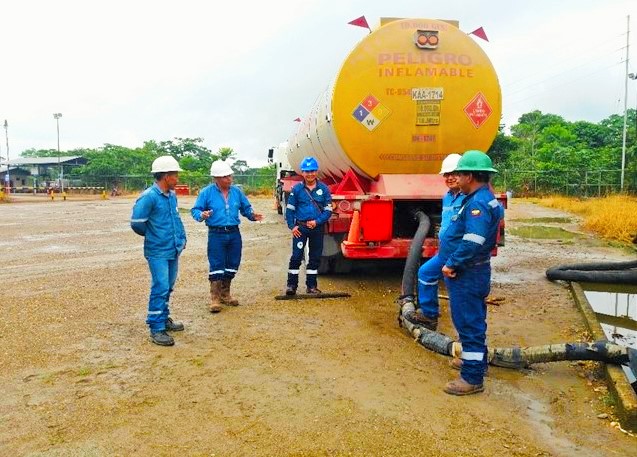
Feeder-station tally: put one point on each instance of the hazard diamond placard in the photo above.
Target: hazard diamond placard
(478, 110)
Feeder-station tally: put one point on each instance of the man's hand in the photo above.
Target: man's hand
(258, 217)
(206, 214)
(448, 272)
(311, 224)
(296, 232)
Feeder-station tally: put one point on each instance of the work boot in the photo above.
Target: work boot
(290, 290)
(215, 300)
(225, 296)
(313, 290)
(461, 387)
(162, 338)
(172, 326)
(418, 318)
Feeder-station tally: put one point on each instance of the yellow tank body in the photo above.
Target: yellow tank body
(409, 94)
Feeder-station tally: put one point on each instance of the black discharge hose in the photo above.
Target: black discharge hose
(600, 272)
(518, 357)
(415, 254)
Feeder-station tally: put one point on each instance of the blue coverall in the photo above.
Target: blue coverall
(467, 246)
(224, 237)
(431, 271)
(156, 217)
(306, 205)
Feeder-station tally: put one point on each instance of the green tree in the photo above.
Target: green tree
(224, 153)
(502, 147)
(240, 167)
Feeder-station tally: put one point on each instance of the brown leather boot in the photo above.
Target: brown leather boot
(461, 387)
(226, 298)
(215, 296)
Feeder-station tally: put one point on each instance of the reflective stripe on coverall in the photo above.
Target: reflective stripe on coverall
(468, 243)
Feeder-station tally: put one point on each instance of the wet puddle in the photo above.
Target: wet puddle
(544, 233)
(616, 309)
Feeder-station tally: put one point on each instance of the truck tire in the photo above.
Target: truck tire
(325, 267)
(336, 264)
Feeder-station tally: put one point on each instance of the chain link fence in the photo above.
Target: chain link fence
(250, 183)
(260, 182)
(523, 183)
(578, 183)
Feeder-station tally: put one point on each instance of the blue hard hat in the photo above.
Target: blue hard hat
(309, 164)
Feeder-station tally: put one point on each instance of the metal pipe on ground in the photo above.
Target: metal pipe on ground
(522, 357)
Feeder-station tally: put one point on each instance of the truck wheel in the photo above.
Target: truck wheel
(341, 265)
(326, 266)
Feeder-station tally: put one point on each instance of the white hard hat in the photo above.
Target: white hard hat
(449, 164)
(220, 168)
(165, 164)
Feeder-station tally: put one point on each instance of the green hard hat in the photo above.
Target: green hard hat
(475, 161)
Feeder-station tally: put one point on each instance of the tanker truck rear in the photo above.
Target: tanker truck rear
(410, 93)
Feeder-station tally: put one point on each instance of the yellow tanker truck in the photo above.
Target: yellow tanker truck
(410, 93)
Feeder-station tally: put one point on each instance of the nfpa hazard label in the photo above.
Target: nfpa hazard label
(478, 110)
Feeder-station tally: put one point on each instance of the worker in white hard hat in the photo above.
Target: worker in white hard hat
(156, 218)
(430, 272)
(219, 205)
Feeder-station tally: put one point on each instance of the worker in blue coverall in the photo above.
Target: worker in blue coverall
(156, 218)
(219, 205)
(309, 208)
(431, 271)
(467, 245)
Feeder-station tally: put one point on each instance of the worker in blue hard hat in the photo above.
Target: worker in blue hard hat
(467, 245)
(309, 208)
(431, 271)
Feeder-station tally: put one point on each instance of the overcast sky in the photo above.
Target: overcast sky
(123, 72)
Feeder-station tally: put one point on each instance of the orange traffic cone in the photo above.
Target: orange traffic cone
(353, 236)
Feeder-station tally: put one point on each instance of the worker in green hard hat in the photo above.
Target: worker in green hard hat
(467, 246)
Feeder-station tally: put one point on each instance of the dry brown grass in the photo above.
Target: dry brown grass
(613, 218)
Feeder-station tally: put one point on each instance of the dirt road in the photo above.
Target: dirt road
(332, 377)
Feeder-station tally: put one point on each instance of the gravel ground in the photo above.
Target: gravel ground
(314, 377)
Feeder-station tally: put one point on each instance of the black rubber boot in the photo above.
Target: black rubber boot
(172, 326)
(291, 290)
(162, 338)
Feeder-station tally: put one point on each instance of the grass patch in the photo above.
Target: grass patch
(543, 233)
(84, 371)
(197, 362)
(545, 220)
(613, 218)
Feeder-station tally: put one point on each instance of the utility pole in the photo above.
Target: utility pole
(57, 117)
(625, 101)
(7, 179)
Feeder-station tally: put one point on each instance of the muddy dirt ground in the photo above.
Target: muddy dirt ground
(316, 377)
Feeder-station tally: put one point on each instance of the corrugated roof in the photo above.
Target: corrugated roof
(39, 160)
